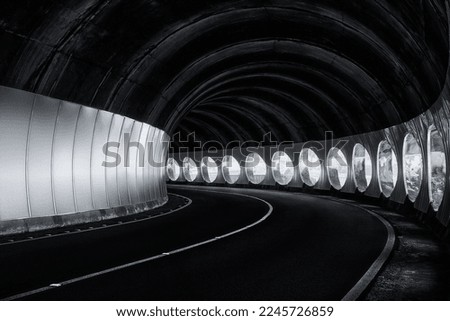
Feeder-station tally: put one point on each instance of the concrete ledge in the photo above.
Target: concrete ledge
(34, 224)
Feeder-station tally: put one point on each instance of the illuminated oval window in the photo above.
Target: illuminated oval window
(173, 169)
(190, 170)
(362, 167)
(209, 169)
(412, 167)
(310, 167)
(337, 168)
(231, 170)
(437, 167)
(282, 168)
(255, 168)
(387, 169)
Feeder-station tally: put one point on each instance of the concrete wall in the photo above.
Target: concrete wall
(51, 162)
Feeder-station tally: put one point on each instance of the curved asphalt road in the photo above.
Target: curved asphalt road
(307, 249)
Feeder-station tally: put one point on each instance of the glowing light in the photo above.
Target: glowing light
(231, 170)
(173, 169)
(387, 169)
(412, 167)
(337, 168)
(282, 168)
(437, 167)
(310, 167)
(255, 168)
(362, 167)
(190, 170)
(209, 169)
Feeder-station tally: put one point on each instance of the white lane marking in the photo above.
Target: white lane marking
(104, 226)
(152, 258)
(363, 283)
(379, 262)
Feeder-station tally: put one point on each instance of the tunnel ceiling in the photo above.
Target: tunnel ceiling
(233, 70)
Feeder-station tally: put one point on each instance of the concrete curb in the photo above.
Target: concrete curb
(34, 224)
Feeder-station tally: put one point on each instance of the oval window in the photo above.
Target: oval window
(362, 167)
(387, 169)
(173, 169)
(337, 168)
(255, 168)
(437, 167)
(310, 167)
(190, 170)
(209, 170)
(231, 170)
(282, 168)
(412, 167)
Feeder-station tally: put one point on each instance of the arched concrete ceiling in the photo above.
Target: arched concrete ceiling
(233, 69)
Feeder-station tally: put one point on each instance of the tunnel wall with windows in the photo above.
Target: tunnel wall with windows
(403, 165)
(52, 163)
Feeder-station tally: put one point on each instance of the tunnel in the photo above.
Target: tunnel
(224, 150)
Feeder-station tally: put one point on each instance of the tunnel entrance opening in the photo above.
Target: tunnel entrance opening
(337, 168)
(412, 166)
(209, 170)
(231, 170)
(310, 167)
(255, 168)
(362, 167)
(282, 168)
(387, 168)
(173, 169)
(190, 170)
(437, 167)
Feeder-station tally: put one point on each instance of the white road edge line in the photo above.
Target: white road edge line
(375, 268)
(66, 233)
(363, 283)
(152, 258)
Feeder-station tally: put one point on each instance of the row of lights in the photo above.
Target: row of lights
(310, 168)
